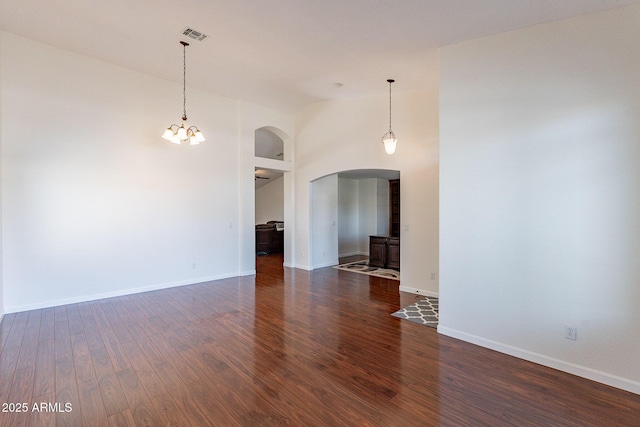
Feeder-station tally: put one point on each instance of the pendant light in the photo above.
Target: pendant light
(389, 139)
(183, 133)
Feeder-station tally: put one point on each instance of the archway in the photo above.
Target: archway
(273, 187)
(346, 208)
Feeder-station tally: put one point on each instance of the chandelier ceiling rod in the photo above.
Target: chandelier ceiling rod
(183, 133)
(184, 79)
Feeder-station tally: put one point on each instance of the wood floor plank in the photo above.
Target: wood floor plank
(29, 346)
(75, 320)
(118, 326)
(47, 325)
(43, 418)
(176, 312)
(16, 334)
(146, 374)
(175, 339)
(168, 374)
(92, 333)
(150, 351)
(120, 307)
(8, 362)
(139, 401)
(62, 339)
(82, 357)
(113, 397)
(285, 347)
(93, 411)
(184, 368)
(60, 313)
(115, 349)
(67, 392)
(5, 328)
(167, 407)
(20, 393)
(44, 381)
(122, 419)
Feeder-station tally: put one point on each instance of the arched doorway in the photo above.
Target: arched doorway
(346, 208)
(273, 193)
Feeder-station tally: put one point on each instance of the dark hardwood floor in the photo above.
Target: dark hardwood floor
(287, 347)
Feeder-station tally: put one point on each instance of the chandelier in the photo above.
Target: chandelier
(389, 139)
(183, 133)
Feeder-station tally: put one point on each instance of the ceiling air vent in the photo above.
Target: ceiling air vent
(194, 34)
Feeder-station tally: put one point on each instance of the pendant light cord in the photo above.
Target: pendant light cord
(390, 81)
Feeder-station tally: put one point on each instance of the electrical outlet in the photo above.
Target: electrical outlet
(571, 332)
(433, 276)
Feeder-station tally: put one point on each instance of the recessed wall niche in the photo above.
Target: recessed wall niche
(268, 145)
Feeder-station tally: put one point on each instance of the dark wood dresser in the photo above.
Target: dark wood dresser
(384, 252)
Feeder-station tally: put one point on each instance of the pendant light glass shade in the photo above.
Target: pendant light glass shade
(389, 139)
(183, 133)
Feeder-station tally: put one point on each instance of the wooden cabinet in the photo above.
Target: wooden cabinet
(384, 252)
(377, 251)
(394, 208)
(393, 253)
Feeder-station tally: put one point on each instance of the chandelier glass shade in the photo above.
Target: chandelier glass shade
(180, 134)
(183, 133)
(389, 139)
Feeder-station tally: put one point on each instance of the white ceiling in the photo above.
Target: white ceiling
(279, 53)
(266, 176)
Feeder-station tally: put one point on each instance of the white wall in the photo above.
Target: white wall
(94, 202)
(368, 212)
(363, 211)
(348, 217)
(270, 201)
(373, 198)
(335, 136)
(324, 219)
(1, 133)
(540, 177)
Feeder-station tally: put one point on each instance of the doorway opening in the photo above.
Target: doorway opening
(269, 197)
(349, 207)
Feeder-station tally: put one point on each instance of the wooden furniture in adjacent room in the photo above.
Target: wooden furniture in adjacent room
(384, 252)
(393, 253)
(394, 208)
(270, 238)
(264, 238)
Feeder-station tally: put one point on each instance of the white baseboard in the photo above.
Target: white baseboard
(248, 273)
(288, 265)
(353, 254)
(418, 291)
(561, 365)
(93, 297)
(326, 264)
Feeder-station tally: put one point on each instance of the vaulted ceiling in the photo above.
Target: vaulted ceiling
(278, 53)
